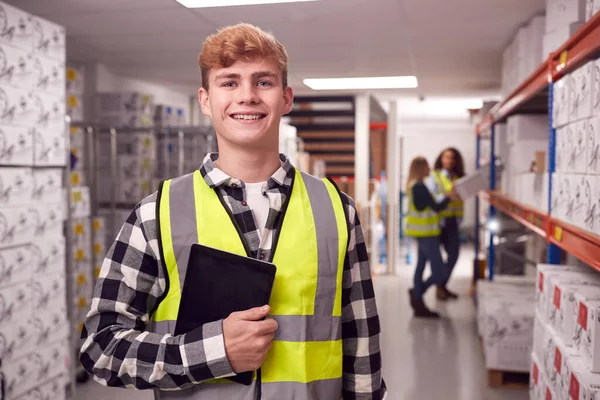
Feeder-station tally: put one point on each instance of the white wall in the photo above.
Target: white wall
(428, 137)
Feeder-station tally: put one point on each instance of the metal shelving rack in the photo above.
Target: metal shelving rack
(535, 95)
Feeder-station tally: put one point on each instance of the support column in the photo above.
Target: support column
(393, 192)
(361, 149)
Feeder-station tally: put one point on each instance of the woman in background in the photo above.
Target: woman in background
(423, 223)
(448, 167)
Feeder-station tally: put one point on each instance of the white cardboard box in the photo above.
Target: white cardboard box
(536, 42)
(581, 97)
(563, 149)
(75, 79)
(527, 127)
(16, 145)
(587, 334)
(590, 194)
(596, 7)
(578, 209)
(589, 10)
(18, 377)
(563, 12)
(48, 292)
(49, 39)
(75, 107)
(47, 185)
(596, 88)
(49, 255)
(583, 385)
(80, 202)
(15, 303)
(49, 325)
(555, 39)
(50, 76)
(18, 26)
(16, 186)
(53, 390)
(17, 107)
(17, 226)
(47, 220)
(558, 204)
(553, 299)
(16, 67)
(593, 146)
(566, 323)
(16, 266)
(50, 111)
(570, 134)
(84, 282)
(123, 103)
(542, 286)
(536, 381)
(16, 339)
(50, 147)
(580, 146)
(82, 239)
(556, 358)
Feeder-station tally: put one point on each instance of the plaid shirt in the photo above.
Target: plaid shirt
(117, 350)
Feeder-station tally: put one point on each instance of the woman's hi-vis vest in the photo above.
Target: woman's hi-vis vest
(305, 360)
(455, 207)
(424, 223)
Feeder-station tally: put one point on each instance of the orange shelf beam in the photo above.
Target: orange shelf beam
(583, 245)
(532, 219)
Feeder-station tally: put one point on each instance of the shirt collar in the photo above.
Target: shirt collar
(215, 177)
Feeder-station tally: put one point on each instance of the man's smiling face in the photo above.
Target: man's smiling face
(246, 102)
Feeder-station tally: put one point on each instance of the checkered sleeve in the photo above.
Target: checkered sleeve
(115, 346)
(362, 376)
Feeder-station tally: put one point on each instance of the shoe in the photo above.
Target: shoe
(421, 311)
(451, 296)
(411, 296)
(441, 294)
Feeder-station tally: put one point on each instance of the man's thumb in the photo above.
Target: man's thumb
(255, 314)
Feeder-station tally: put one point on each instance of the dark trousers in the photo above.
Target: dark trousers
(450, 239)
(429, 250)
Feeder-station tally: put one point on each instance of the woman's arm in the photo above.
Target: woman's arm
(423, 199)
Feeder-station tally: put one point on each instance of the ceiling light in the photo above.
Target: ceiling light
(383, 82)
(229, 3)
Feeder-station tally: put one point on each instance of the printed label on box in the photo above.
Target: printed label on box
(557, 297)
(558, 360)
(574, 387)
(583, 316)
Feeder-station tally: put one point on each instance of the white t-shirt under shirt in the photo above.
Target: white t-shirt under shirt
(258, 203)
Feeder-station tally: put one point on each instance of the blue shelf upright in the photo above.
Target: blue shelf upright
(491, 250)
(553, 254)
(477, 249)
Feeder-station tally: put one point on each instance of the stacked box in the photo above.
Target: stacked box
(75, 90)
(124, 110)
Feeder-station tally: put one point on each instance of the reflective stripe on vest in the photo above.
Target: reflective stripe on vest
(455, 208)
(306, 354)
(424, 223)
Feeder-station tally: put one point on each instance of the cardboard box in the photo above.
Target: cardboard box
(50, 111)
(590, 195)
(596, 7)
(47, 220)
(583, 385)
(15, 303)
(557, 370)
(553, 299)
(527, 127)
(16, 67)
(16, 266)
(522, 155)
(17, 107)
(139, 144)
(593, 146)
(542, 286)
(18, 26)
(17, 226)
(126, 120)
(50, 361)
(82, 239)
(18, 377)
(84, 282)
(577, 206)
(497, 292)
(587, 332)
(131, 166)
(581, 97)
(53, 390)
(49, 255)
(47, 185)
(75, 79)
(50, 76)
(49, 325)
(49, 40)
(536, 42)
(16, 145)
(16, 186)
(48, 292)
(563, 149)
(581, 131)
(16, 340)
(75, 108)
(557, 208)
(589, 10)
(81, 202)
(566, 323)
(536, 380)
(596, 87)
(50, 147)
(562, 12)
(558, 37)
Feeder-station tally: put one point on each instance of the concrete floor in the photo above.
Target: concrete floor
(425, 360)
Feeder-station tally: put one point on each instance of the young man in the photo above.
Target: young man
(318, 339)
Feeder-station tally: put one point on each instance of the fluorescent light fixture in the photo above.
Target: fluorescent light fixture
(383, 82)
(229, 3)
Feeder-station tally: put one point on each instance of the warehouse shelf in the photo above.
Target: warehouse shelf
(581, 244)
(535, 95)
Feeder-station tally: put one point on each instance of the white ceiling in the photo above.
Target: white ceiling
(454, 47)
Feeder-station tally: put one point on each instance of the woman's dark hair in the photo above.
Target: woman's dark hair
(459, 165)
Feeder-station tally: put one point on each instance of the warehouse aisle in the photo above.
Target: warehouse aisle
(422, 359)
(433, 359)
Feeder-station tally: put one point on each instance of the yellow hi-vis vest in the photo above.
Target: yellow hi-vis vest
(455, 207)
(424, 223)
(305, 360)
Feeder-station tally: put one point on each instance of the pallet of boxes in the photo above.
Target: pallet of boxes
(506, 314)
(34, 329)
(566, 357)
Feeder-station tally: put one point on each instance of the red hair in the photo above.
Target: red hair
(242, 42)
